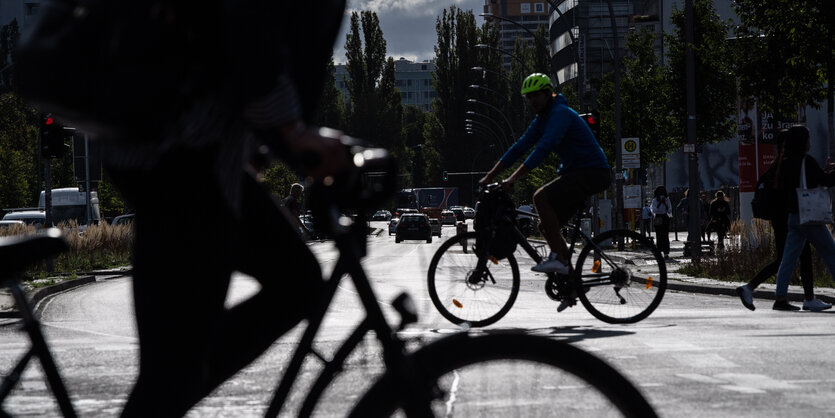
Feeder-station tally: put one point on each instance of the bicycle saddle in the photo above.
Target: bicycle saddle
(18, 252)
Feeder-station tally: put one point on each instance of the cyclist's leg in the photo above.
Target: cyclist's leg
(270, 250)
(552, 215)
(180, 277)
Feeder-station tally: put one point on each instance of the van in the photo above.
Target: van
(69, 203)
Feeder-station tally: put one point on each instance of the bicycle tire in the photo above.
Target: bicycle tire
(593, 388)
(459, 301)
(637, 288)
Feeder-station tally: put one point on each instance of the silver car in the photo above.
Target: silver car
(393, 226)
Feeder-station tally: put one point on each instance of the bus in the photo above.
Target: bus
(428, 200)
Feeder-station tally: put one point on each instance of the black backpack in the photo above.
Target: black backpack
(763, 203)
(495, 221)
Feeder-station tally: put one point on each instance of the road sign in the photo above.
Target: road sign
(630, 152)
(632, 197)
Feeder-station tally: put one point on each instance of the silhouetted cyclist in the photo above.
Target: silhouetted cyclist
(201, 215)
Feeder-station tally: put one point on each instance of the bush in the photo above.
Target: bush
(750, 248)
(97, 247)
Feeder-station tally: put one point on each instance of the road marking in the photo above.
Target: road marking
(704, 360)
(101, 334)
(742, 382)
(450, 403)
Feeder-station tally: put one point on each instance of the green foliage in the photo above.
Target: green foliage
(18, 153)
(278, 178)
(330, 111)
(715, 84)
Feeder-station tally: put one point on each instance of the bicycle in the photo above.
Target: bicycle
(613, 277)
(421, 383)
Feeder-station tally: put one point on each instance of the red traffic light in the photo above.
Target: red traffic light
(591, 120)
(49, 121)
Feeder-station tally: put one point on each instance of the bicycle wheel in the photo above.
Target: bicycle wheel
(508, 375)
(620, 286)
(460, 296)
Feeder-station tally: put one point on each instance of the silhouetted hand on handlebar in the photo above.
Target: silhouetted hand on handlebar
(320, 150)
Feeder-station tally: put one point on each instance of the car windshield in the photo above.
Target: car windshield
(413, 220)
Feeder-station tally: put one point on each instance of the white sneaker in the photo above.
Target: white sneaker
(551, 265)
(815, 305)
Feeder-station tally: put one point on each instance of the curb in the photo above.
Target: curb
(39, 294)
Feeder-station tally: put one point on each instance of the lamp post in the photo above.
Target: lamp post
(469, 123)
(538, 39)
(510, 54)
(471, 113)
(494, 108)
(503, 141)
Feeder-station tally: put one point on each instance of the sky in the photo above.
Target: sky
(408, 25)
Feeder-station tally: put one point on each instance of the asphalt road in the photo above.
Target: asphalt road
(696, 356)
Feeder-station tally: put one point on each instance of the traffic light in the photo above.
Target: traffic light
(593, 121)
(52, 138)
(445, 176)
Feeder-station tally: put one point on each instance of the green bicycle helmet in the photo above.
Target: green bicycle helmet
(536, 82)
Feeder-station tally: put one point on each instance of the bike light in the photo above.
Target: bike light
(457, 303)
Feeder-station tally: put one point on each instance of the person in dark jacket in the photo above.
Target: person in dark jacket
(794, 156)
(779, 218)
(264, 94)
(662, 213)
(720, 218)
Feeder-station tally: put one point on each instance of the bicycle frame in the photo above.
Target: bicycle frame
(351, 250)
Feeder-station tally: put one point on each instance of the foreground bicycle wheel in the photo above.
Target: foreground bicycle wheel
(460, 296)
(621, 286)
(509, 376)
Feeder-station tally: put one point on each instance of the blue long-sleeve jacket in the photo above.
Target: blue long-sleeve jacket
(560, 130)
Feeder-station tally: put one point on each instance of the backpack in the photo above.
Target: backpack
(762, 205)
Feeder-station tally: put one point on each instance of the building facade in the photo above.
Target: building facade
(516, 19)
(413, 79)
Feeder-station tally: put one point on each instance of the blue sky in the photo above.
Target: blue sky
(408, 25)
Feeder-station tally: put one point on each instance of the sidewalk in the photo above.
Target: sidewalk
(10, 315)
(684, 283)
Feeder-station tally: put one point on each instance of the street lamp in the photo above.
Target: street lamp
(493, 121)
(512, 55)
(478, 87)
(476, 125)
(512, 132)
(537, 39)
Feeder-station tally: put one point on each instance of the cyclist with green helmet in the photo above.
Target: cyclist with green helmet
(583, 170)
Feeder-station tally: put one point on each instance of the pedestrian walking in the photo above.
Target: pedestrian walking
(293, 205)
(646, 219)
(662, 213)
(720, 218)
(796, 167)
(704, 210)
(779, 212)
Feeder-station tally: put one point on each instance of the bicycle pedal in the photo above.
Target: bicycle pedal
(566, 303)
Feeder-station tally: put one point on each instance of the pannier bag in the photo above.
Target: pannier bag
(494, 222)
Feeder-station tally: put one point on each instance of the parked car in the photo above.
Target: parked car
(448, 218)
(435, 223)
(124, 219)
(9, 225)
(413, 226)
(381, 215)
(393, 225)
(469, 212)
(30, 217)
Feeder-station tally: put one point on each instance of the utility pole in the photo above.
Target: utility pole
(693, 228)
(618, 153)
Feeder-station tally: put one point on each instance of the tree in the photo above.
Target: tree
(330, 111)
(374, 111)
(645, 97)
(9, 35)
(715, 84)
(786, 57)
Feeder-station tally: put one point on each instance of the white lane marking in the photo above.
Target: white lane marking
(704, 360)
(701, 378)
(450, 403)
(101, 334)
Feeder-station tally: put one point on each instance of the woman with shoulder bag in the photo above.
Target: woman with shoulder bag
(796, 168)
(662, 213)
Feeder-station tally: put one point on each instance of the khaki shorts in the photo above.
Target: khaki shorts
(568, 193)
